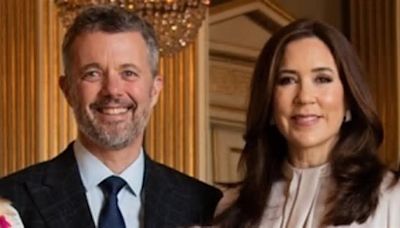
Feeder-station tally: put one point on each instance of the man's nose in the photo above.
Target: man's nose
(112, 84)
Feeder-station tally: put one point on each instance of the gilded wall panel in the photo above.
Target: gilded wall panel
(18, 107)
(174, 141)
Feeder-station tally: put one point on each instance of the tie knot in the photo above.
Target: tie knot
(112, 185)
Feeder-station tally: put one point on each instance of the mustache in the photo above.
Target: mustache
(115, 101)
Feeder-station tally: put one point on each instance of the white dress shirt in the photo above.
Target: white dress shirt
(93, 171)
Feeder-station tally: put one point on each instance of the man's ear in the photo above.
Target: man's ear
(156, 89)
(65, 88)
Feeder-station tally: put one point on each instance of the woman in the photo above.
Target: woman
(310, 158)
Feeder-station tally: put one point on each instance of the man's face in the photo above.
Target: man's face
(111, 89)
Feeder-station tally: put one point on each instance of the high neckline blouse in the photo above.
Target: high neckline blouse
(295, 201)
(299, 200)
(291, 171)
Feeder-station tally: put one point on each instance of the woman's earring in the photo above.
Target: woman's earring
(347, 116)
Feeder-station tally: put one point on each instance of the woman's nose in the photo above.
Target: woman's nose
(305, 94)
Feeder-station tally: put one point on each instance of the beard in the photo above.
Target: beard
(114, 135)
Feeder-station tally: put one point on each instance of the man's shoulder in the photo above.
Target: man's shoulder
(185, 199)
(34, 173)
(14, 187)
(30, 173)
(185, 183)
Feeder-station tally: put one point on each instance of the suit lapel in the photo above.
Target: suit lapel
(61, 198)
(156, 190)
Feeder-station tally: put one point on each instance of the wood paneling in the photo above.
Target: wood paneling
(373, 33)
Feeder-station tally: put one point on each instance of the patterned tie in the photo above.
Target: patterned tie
(110, 215)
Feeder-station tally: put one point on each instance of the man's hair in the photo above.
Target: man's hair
(110, 19)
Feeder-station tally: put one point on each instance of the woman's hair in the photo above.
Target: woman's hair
(356, 169)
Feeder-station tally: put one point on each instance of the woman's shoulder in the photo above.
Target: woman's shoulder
(390, 184)
(390, 190)
(229, 197)
(389, 206)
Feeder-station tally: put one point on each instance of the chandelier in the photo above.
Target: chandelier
(176, 22)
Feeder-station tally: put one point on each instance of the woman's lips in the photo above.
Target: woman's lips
(305, 120)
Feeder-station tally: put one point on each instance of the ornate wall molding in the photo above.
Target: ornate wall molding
(232, 56)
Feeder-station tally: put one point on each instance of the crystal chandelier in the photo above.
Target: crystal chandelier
(176, 21)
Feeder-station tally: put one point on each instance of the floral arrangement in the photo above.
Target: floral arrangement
(9, 217)
(4, 223)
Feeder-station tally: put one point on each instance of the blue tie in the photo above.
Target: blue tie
(110, 215)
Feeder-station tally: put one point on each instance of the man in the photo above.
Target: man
(104, 178)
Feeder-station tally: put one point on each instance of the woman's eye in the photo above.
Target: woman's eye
(286, 80)
(323, 79)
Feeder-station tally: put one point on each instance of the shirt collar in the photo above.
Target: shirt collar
(93, 171)
(289, 170)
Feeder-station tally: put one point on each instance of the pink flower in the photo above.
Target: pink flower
(4, 223)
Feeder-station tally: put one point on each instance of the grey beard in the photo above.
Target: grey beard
(112, 135)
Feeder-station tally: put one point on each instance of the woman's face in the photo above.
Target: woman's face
(309, 104)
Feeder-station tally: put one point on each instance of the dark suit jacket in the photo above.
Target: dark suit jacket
(51, 194)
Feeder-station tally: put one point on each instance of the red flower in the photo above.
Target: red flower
(4, 223)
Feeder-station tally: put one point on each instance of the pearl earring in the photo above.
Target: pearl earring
(347, 116)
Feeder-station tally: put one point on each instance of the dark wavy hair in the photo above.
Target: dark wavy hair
(356, 169)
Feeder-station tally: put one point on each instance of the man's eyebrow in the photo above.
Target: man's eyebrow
(130, 65)
(90, 65)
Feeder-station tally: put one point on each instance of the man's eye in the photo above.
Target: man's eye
(129, 73)
(91, 75)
